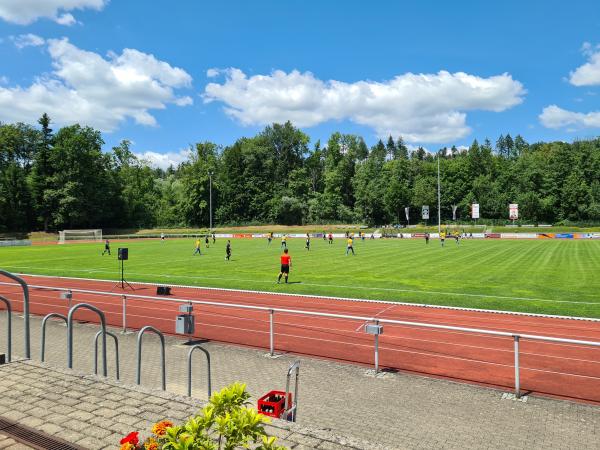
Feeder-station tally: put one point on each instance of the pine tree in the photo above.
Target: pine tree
(42, 173)
(402, 148)
(391, 148)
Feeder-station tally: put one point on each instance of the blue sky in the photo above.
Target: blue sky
(437, 72)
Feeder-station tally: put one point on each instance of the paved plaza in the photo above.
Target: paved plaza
(394, 410)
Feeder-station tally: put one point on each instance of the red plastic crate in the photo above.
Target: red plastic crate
(273, 403)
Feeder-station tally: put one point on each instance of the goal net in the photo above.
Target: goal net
(79, 235)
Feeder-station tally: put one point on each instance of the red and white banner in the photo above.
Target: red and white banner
(513, 211)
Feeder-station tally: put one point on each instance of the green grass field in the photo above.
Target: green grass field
(543, 276)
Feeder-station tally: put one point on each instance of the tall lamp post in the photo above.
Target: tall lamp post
(439, 196)
(210, 174)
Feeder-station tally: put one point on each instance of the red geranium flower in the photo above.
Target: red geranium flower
(131, 438)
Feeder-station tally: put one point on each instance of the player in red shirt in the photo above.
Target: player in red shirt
(286, 263)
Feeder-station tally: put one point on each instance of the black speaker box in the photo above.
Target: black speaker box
(123, 254)
(163, 290)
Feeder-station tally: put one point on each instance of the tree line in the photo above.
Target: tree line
(55, 180)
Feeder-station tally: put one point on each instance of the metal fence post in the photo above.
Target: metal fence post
(44, 320)
(162, 353)
(8, 326)
(376, 350)
(517, 377)
(116, 341)
(124, 300)
(291, 410)
(189, 367)
(70, 334)
(271, 333)
(25, 288)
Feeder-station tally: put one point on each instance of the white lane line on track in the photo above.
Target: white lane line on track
(347, 299)
(413, 352)
(400, 326)
(344, 331)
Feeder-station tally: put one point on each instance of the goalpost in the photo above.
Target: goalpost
(79, 235)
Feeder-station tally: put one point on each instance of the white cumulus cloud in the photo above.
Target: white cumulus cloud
(420, 107)
(101, 92)
(24, 12)
(589, 73)
(164, 160)
(27, 40)
(555, 117)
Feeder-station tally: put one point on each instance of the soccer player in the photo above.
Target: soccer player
(162, 237)
(206, 241)
(442, 237)
(362, 236)
(228, 250)
(349, 246)
(284, 241)
(307, 246)
(324, 235)
(106, 247)
(269, 238)
(457, 237)
(330, 238)
(427, 238)
(214, 236)
(197, 251)
(286, 263)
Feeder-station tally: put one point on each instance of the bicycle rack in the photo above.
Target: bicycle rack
(70, 334)
(44, 320)
(291, 410)
(189, 366)
(8, 326)
(25, 288)
(139, 355)
(116, 340)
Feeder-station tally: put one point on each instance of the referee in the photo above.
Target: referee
(286, 263)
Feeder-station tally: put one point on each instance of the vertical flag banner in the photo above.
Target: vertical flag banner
(454, 208)
(475, 211)
(406, 212)
(425, 212)
(513, 211)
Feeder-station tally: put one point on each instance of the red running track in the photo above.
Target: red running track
(554, 369)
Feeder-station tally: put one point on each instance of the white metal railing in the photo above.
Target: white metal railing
(364, 319)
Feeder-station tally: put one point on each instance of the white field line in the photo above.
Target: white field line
(366, 288)
(348, 299)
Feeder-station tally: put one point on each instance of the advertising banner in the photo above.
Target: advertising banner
(513, 211)
(475, 211)
(425, 212)
(406, 210)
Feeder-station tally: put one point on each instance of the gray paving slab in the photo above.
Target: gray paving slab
(397, 410)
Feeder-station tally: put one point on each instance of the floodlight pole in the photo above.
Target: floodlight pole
(439, 197)
(210, 174)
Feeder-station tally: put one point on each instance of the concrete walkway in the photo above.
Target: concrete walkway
(397, 410)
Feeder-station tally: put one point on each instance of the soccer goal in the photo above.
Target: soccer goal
(79, 235)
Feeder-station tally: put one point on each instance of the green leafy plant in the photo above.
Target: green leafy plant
(226, 423)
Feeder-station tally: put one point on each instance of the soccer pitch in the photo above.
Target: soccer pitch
(538, 276)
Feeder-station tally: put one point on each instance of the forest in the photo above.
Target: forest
(65, 179)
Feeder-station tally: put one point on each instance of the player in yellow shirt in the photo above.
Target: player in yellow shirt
(284, 241)
(442, 237)
(197, 250)
(349, 247)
